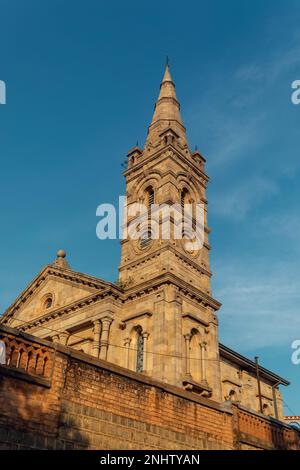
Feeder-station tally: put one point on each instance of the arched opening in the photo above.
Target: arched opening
(149, 197)
(184, 198)
(44, 365)
(48, 302)
(267, 409)
(29, 356)
(136, 349)
(146, 236)
(232, 396)
(188, 212)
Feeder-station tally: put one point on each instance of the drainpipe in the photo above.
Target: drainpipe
(258, 384)
(275, 399)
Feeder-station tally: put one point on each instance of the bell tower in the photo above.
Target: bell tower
(164, 274)
(166, 173)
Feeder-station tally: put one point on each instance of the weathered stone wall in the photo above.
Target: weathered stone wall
(76, 401)
(244, 385)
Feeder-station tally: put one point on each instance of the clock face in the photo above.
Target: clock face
(143, 243)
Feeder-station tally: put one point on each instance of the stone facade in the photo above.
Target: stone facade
(160, 319)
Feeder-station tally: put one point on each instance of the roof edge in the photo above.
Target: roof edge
(248, 363)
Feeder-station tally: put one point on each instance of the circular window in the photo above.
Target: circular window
(48, 302)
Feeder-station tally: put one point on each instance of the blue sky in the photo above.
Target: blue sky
(82, 79)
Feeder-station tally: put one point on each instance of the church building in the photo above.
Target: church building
(160, 319)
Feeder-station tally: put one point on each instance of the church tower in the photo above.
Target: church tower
(183, 336)
(166, 172)
(160, 319)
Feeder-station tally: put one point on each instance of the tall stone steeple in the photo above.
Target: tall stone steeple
(166, 112)
(167, 281)
(167, 107)
(166, 172)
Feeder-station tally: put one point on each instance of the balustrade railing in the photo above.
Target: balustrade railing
(29, 357)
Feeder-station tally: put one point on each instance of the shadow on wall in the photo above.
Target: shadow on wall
(30, 419)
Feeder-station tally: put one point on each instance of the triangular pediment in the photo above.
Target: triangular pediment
(52, 288)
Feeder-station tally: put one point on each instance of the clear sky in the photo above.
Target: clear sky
(82, 79)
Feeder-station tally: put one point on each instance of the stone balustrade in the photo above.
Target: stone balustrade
(27, 356)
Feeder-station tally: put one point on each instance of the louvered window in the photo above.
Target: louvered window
(149, 197)
(145, 239)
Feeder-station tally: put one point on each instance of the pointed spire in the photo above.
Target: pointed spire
(167, 75)
(167, 106)
(167, 109)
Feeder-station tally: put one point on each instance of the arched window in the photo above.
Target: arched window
(149, 197)
(188, 207)
(147, 234)
(184, 198)
(267, 409)
(139, 350)
(232, 396)
(48, 302)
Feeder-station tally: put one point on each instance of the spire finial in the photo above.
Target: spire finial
(167, 107)
(167, 75)
(61, 261)
(61, 254)
(167, 110)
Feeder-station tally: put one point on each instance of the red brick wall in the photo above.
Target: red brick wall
(83, 403)
(255, 431)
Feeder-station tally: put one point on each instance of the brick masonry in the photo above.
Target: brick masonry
(84, 403)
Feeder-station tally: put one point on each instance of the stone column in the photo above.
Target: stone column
(96, 342)
(167, 335)
(127, 342)
(203, 360)
(187, 338)
(145, 336)
(212, 354)
(55, 338)
(106, 322)
(63, 338)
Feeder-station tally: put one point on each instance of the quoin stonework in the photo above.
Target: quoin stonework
(137, 363)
